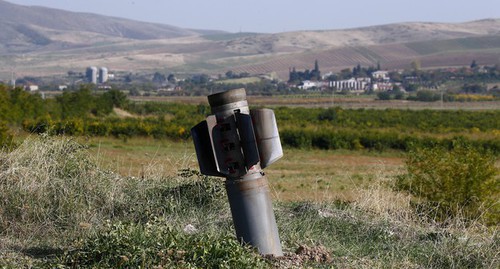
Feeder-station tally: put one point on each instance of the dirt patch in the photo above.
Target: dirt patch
(302, 256)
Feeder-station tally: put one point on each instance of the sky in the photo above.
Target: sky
(273, 16)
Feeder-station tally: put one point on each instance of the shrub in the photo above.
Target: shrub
(461, 182)
(5, 136)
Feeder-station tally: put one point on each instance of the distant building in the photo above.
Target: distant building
(383, 75)
(91, 74)
(307, 84)
(352, 84)
(103, 75)
(382, 86)
(31, 88)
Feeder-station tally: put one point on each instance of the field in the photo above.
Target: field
(126, 200)
(301, 175)
(325, 101)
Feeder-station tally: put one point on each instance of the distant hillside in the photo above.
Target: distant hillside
(393, 46)
(38, 41)
(40, 26)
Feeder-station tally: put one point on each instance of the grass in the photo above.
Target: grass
(62, 207)
(137, 156)
(311, 175)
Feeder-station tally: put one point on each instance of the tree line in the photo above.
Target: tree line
(84, 112)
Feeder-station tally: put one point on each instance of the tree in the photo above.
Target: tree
(474, 88)
(473, 65)
(345, 73)
(384, 96)
(356, 71)
(411, 87)
(171, 78)
(77, 104)
(128, 78)
(427, 96)
(416, 65)
(134, 92)
(159, 78)
(116, 98)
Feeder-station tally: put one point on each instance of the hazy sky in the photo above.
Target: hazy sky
(273, 16)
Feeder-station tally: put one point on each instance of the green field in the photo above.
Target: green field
(108, 188)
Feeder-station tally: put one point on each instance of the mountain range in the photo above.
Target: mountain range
(39, 41)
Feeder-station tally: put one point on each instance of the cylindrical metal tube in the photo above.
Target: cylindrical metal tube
(225, 103)
(253, 214)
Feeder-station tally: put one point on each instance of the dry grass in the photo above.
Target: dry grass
(51, 185)
(54, 191)
(306, 175)
(142, 157)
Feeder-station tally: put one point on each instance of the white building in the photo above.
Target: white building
(32, 88)
(352, 84)
(91, 74)
(384, 75)
(307, 84)
(382, 86)
(103, 75)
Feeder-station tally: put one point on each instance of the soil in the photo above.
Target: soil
(302, 256)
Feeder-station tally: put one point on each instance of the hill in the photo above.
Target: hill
(38, 41)
(26, 29)
(393, 46)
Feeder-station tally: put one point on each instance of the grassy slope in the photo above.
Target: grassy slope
(143, 221)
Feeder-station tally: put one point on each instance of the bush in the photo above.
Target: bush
(461, 182)
(5, 136)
